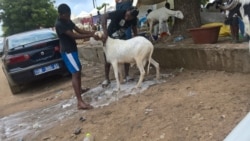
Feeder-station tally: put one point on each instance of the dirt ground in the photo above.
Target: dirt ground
(191, 106)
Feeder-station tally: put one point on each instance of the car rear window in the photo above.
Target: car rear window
(31, 37)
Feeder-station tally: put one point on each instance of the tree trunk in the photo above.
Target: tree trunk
(191, 12)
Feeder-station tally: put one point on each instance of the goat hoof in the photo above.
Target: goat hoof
(135, 89)
(116, 90)
(157, 81)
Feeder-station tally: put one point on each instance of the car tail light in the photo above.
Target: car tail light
(12, 59)
(57, 49)
(40, 45)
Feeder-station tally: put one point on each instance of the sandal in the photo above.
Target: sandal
(85, 90)
(105, 83)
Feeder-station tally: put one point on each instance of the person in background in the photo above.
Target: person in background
(120, 21)
(233, 21)
(144, 19)
(167, 5)
(64, 29)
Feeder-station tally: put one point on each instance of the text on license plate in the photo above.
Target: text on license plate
(46, 69)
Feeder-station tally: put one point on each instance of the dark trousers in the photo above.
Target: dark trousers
(235, 32)
(234, 27)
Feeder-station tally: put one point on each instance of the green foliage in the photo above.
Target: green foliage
(23, 15)
(204, 2)
(100, 7)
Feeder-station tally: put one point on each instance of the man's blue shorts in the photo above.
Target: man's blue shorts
(72, 61)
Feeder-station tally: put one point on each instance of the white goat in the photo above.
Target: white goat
(94, 42)
(160, 16)
(137, 50)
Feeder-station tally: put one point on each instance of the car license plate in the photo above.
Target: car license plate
(46, 69)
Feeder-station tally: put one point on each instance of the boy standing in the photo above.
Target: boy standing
(64, 29)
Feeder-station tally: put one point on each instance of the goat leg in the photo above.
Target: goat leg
(142, 73)
(157, 67)
(115, 68)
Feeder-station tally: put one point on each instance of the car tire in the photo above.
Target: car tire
(66, 74)
(15, 89)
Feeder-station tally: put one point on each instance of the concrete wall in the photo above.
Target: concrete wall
(229, 57)
(204, 57)
(93, 54)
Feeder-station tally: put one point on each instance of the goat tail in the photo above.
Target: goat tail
(149, 59)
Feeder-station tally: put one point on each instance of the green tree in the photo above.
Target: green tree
(22, 15)
(204, 2)
(100, 7)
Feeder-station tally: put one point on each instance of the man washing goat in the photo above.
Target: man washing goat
(120, 21)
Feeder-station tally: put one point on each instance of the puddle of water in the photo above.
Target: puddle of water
(31, 123)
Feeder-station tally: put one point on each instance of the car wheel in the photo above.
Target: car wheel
(66, 74)
(15, 89)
